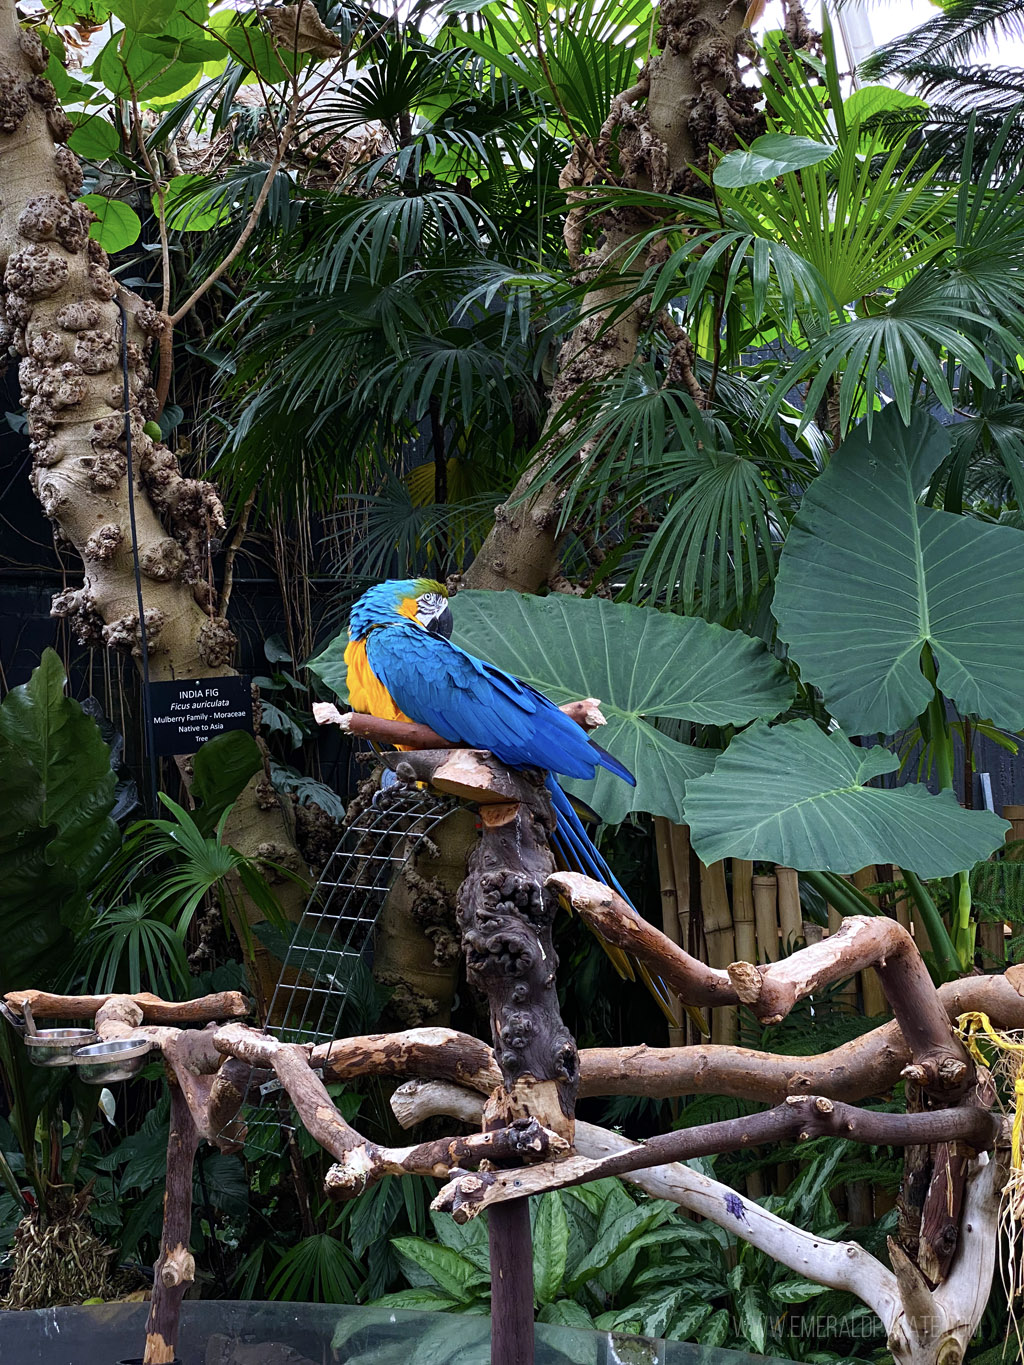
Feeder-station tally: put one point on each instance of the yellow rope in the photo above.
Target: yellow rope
(969, 1026)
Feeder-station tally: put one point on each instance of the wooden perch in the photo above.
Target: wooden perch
(618, 923)
(506, 918)
(522, 1141)
(189, 1055)
(407, 734)
(506, 915)
(920, 1331)
(469, 774)
(290, 1064)
(865, 1066)
(175, 1269)
(797, 1119)
(940, 1062)
(207, 1009)
(440, 1053)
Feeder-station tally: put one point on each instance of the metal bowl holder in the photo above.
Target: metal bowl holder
(98, 1062)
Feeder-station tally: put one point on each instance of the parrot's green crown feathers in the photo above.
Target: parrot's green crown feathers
(423, 601)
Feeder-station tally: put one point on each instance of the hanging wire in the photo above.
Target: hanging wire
(147, 701)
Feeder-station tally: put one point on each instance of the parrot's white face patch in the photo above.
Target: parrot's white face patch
(434, 614)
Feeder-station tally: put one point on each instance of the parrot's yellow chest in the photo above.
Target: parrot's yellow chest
(366, 692)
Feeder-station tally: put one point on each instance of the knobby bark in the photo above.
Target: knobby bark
(59, 314)
(689, 97)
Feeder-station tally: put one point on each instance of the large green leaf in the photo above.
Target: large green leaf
(868, 577)
(221, 768)
(550, 1246)
(643, 665)
(55, 827)
(117, 225)
(796, 796)
(768, 156)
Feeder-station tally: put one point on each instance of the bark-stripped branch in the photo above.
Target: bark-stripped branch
(430, 1052)
(205, 1010)
(410, 735)
(521, 1141)
(940, 1061)
(934, 1327)
(865, 1066)
(798, 1119)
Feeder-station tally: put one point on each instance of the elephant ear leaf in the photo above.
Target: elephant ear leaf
(220, 770)
(643, 666)
(795, 796)
(57, 833)
(869, 577)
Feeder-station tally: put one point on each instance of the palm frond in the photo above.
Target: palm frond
(319, 1269)
(361, 237)
(909, 342)
(952, 38)
(392, 87)
(131, 947)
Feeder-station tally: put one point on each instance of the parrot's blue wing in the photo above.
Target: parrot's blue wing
(471, 702)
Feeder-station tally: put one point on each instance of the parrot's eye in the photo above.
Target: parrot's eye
(433, 613)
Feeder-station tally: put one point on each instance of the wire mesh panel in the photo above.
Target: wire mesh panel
(327, 965)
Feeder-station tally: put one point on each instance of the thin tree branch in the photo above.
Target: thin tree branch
(232, 552)
(798, 1119)
(284, 138)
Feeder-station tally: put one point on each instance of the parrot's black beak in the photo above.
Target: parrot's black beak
(441, 624)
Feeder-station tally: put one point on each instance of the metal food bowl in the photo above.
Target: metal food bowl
(118, 1060)
(57, 1046)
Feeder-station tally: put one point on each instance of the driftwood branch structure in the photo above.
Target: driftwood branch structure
(518, 1094)
(935, 1325)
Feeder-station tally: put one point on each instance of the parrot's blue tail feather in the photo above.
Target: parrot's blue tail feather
(575, 849)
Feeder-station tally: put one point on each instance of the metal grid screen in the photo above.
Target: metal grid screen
(331, 951)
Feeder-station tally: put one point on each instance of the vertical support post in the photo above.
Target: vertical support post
(506, 916)
(511, 1248)
(175, 1268)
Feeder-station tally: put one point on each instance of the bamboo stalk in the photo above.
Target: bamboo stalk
(721, 941)
(679, 843)
(790, 915)
(1015, 815)
(871, 988)
(691, 919)
(743, 910)
(764, 890)
(917, 925)
(755, 1185)
(859, 1203)
(992, 936)
(992, 940)
(667, 873)
(667, 880)
(848, 991)
(903, 904)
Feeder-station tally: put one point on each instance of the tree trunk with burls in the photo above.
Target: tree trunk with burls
(59, 313)
(689, 97)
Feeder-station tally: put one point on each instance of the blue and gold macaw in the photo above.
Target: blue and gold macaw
(402, 665)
